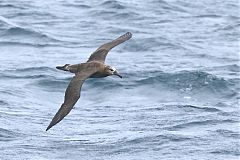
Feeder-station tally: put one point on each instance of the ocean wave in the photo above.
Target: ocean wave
(191, 80)
(33, 69)
(7, 135)
(227, 151)
(30, 70)
(228, 133)
(82, 6)
(185, 81)
(11, 6)
(28, 44)
(165, 7)
(124, 15)
(13, 33)
(28, 73)
(208, 16)
(7, 22)
(3, 103)
(191, 108)
(111, 14)
(199, 123)
(158, 139)
(233, 68)
(151, 44)
(52, 84)
(112, 5)
(20, 31)
(26, 76)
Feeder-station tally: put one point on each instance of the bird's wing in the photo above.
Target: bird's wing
(72, 93)
(101, 53)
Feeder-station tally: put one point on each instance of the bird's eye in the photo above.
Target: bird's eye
(111, 69)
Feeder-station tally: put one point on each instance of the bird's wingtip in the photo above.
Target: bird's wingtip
(129, 34)
(48, 128)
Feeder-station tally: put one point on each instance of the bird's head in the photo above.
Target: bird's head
(112, 71)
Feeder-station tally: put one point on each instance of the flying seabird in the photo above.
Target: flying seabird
(95, 67)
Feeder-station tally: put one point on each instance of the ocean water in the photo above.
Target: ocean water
(178, 99)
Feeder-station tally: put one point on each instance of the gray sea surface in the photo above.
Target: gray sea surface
(178, 99)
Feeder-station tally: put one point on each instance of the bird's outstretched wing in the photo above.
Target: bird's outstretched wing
(72, 93)
(101, 53)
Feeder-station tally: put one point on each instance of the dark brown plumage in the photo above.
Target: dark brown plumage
(95, 67)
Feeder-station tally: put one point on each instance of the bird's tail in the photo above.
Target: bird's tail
(64, 68)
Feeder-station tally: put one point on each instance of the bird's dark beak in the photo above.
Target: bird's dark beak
(117, 74)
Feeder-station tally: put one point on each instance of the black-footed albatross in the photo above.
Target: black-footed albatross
(93, 68)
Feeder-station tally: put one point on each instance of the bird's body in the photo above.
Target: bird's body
(95, 67)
